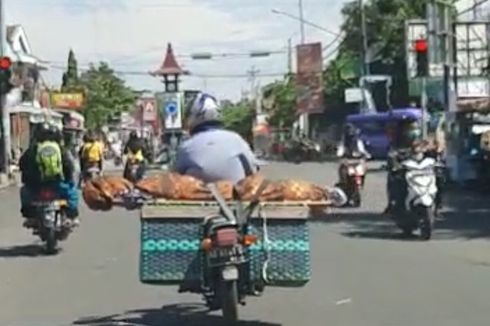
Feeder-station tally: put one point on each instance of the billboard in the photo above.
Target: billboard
(72, 101)
(170, 107)
(309, 81)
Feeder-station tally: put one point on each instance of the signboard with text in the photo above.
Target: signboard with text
(309, 81)
(72, 101)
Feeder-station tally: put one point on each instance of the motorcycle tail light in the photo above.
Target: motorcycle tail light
(47, 194)
(360, 169)
(249, 239)
(206, 244)
(351, 170)
(226, 237)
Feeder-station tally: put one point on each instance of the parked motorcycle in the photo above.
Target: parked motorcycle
(302, 150)
(52, 223)
(418, 209)
(352, 175)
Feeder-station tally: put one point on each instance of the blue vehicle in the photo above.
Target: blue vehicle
(373, 127)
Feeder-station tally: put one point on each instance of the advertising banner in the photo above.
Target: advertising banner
(67, 100)
(309, 81)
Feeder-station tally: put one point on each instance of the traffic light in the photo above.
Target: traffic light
(422, 61)
(5, 75)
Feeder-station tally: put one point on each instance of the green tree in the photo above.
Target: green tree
(386, 33)
(239, 117)
(282, 96)
(70, 77)
(105, 95)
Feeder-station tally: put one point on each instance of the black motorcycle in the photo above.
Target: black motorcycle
(51, 221)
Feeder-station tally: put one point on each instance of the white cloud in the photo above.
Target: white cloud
(132, 34)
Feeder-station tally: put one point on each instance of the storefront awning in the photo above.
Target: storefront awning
(38, 115)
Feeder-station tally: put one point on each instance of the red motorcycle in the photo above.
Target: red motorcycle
(352, 175)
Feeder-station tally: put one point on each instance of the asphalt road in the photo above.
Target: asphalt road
(364, 273)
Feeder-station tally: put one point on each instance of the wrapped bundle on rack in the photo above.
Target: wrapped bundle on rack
(101, 193)
(174, 186)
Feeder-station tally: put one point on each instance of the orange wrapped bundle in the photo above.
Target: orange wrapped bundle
(99, 194)
(174, 186)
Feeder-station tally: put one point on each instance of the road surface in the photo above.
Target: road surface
(364, 273)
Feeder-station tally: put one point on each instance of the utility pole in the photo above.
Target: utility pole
(290, 56)
(301, 21)
(5, 146)
(365, 48)
(252, 76)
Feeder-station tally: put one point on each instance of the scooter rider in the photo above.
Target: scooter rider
(404, 139)
(213, 153)
(351, 145)
(135, 149)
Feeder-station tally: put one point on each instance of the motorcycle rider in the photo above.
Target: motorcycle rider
(351, 145)
(405, 137)
(213, 153)
(47, 164)
(136, 150)
(91, 153)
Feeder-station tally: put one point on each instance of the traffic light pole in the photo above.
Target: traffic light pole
(5, 145)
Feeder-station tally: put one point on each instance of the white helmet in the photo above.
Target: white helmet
(204, 109)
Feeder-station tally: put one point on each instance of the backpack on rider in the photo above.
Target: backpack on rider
(49, 161)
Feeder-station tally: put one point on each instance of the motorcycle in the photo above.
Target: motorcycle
(133, 168)
(419, 208)
(92, 172)
(302, 150)
(352, 175)
(52, 223)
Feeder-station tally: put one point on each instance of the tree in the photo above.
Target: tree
(282, 95)
(386, 34)
(70, 77)
(239, 117)
(105, 95)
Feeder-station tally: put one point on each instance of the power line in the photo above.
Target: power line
(472, 8)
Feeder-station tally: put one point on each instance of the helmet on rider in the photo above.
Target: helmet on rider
(413, 131)
(205, 110)
(133, 135)
(56, 134)
(42, 132)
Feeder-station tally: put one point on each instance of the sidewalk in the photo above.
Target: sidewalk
(9, 181)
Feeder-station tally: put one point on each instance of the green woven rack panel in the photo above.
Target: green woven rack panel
(288, 250)
(170, 251)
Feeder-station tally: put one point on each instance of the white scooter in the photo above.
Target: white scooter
(419, 207)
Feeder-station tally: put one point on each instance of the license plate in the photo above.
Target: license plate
(220, 253)
(225, 253)
(230, 273)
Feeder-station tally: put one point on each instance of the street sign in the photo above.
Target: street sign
(353, 95)
(171, 110)
(149, 110)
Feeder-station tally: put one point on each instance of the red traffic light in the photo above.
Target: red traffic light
(5, 63)
(421, 46)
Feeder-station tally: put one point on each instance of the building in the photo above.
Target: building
(23, 101)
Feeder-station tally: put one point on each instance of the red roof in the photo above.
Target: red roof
(170, 65)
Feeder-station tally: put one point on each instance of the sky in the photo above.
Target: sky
(132, 36)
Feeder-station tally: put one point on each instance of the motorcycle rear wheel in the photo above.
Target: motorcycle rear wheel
(51, 241)
(229, 301)
(426, 223)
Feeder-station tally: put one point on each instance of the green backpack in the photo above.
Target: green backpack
(49, 160)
